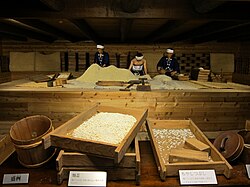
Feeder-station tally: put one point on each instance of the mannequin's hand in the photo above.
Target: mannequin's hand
(173, 73)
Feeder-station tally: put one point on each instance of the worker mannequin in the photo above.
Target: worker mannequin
(101, 57)
(138, 65)
(168, 65)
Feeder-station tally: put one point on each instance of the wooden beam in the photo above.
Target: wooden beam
(125, 27)
(205, 6)
(12, 37)
(79, 9)
(239, 29)
(239, 37)
(130, 6)
(85, 29)
(56, 5)
(205, 30)
(25, 32)
(164, 30)
(49, 29)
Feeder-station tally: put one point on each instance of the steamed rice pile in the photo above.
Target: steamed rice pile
(105, 127)
(111, 73)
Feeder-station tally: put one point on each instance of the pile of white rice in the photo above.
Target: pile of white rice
(111, 73)
(105, 127)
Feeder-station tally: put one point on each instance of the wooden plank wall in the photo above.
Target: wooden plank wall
(211, 111)
(5, 77)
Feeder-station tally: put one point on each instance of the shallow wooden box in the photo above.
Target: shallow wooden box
(218, 163)
(6, 147)
(60, 138)
(127, 169)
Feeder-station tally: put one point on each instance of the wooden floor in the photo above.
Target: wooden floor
(46, 176)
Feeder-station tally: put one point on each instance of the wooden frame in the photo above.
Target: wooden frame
(219, 163)
(6, 147)
(60, 138)
(127, 169)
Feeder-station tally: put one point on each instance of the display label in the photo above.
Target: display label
(18, 178)
(87, 178)
(194, 177)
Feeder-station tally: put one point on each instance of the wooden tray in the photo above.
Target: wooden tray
(111, 83)
(218, 163)
(60, 138)
(6, 147)
(127, 169)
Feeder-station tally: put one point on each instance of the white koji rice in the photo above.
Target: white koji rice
(105, 127)
(168, 139)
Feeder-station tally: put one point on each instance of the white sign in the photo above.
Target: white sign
(248, 170)
(87, 178)
(189, 177)
(19, 178)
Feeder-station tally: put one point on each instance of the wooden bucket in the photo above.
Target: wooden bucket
(26, 136)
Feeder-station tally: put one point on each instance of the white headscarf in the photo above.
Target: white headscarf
(139, 58)
(170, 51)
(100, 47)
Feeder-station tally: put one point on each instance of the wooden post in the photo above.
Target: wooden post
(128, 59)
(87, 60)
(77, 61)
(66, 61)
(118, 60)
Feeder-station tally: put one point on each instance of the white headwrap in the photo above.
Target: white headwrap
(170, 51)
(139, 58)
(100, 47)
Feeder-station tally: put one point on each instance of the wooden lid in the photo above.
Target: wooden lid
(229, 144)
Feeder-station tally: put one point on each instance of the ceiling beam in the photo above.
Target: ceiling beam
(85, 29)
(6, 28)
(56, 5)
(79, 9)
(13, 37)
(240, 28)
(125, 27)
(204, 30)
(49, 29)
(236, 37)
(205, 6)
(164, 30)
(130, 6)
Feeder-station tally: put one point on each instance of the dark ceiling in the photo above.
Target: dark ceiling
(126, 21)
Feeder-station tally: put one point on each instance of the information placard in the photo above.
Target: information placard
(17, 178)
(195, 177)
(87, 178)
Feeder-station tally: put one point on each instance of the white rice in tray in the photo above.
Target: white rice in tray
(105, 127)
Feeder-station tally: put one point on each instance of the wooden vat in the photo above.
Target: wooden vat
(61, 136)
(127, 169)
(218, 162)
